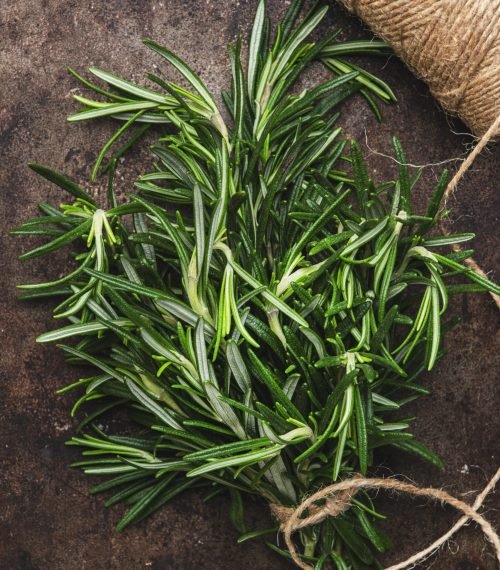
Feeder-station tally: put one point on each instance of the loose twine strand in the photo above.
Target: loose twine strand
(450, 189)
(337, 500)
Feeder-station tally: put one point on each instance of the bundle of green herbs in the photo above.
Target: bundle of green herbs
(260, 308)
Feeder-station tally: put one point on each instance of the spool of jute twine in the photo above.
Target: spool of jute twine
(335, 499)
(453, 45)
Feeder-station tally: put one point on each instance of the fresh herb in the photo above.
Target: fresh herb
(262, 309)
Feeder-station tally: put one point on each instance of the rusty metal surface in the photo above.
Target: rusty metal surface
(47, 519)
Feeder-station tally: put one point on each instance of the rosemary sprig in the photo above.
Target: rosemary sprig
(263, 336)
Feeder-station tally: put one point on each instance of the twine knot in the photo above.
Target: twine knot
(332, 505)
(335, 499)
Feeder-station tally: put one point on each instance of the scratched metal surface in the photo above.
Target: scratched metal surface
(47, 519)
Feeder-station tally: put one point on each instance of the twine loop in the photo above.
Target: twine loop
(336, 499)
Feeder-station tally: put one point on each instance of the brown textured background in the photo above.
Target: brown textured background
(47, 519)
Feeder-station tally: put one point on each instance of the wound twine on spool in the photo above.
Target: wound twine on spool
(453, 45)
(337, 500)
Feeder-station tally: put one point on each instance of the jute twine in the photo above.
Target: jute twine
(453, 45)
(336, 499)
(450, 189)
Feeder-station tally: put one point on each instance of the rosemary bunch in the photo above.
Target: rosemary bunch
(261, 308)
